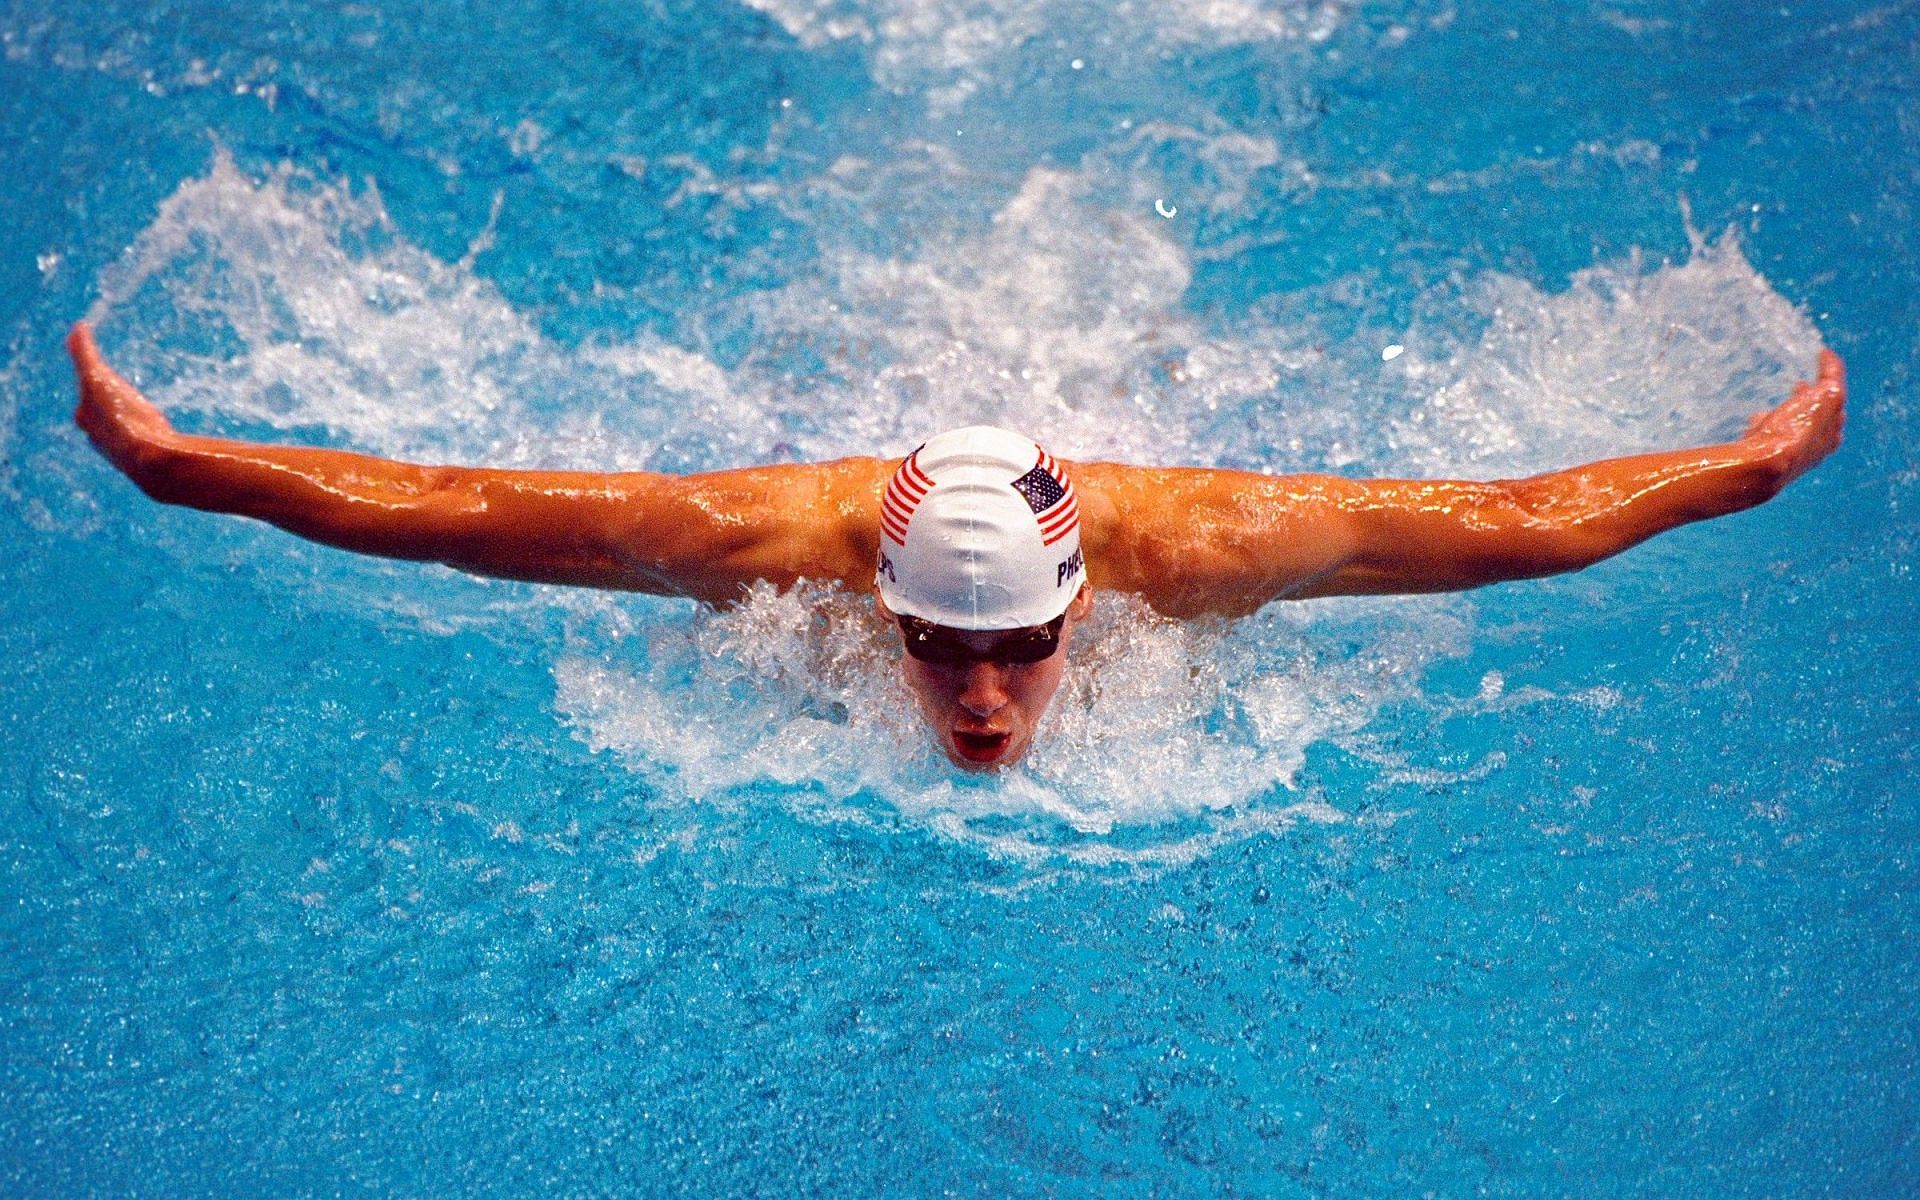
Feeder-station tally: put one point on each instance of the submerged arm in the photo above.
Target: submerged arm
(705, 536)
(1228, 542)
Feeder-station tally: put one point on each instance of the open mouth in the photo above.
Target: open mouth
(980, 747)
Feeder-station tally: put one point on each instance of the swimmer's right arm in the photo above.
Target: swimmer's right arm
(704, 536)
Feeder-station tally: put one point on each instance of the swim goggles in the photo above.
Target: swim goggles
(944, 647)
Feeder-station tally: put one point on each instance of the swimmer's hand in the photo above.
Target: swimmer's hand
(122, 424)
(1795, 436)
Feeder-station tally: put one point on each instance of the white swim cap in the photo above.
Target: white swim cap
(980, 529)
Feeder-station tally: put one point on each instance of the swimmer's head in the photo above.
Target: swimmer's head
(980, 529)
(980, 566)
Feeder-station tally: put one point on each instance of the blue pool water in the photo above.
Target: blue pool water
(326, 876)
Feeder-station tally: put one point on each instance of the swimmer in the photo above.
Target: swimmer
(983, 550)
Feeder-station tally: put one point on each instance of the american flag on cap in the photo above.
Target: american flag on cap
(1049, 493)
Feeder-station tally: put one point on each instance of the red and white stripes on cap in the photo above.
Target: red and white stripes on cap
(980, 529)
(904, 492)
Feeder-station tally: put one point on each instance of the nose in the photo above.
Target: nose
(984, 692)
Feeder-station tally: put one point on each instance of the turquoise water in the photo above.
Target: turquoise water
(332, 876)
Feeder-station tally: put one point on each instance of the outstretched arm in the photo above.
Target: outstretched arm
(1227, 542)
(705, 536)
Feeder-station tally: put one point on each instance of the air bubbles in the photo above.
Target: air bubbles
(526, 139)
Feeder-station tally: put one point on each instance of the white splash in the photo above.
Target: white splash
(1063, 318)
(294, 304)
(950, 50)
(1626, 359)
(1199, 728)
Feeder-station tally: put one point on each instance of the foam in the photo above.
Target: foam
(291, 303)
(287, 305)
(1625, 359)
(949, 51)
(1062, 319)
(1197, 728)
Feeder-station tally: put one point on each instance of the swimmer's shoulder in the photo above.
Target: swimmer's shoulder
(821, 519)
(1195, 541)
(709, 534)
(839, 524)
(1130, 523)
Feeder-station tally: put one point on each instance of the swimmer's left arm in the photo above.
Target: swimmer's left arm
(1413, 536)
(1198, 541)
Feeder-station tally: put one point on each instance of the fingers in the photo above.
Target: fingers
(99, 382)
(1811, 415)
(111, 411)
(1811, 420)
(80, 343)
(1829, 386)
(86, 364)
(85, 353)
(1829, 392)
(1833, 372)
(92, 369)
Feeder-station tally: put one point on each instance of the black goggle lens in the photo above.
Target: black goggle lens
(938, 645)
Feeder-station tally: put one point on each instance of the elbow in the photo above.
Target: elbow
(1531, 550)
(1550, 529)
(1568, 550)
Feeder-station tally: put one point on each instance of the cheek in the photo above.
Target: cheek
(927, 685)
(1038, 684)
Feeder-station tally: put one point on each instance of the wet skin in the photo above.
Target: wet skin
(984, 714)
(1190, 541)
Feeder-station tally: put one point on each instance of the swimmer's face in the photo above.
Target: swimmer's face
(982, 702)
